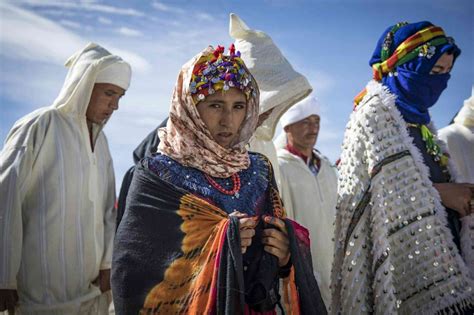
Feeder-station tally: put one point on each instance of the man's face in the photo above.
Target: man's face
(304, 133)
(104, 101)
(223, 113)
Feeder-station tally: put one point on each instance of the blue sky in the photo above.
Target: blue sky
(329, 41)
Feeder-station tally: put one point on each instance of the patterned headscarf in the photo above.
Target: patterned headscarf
(186, 137)
(403, 59)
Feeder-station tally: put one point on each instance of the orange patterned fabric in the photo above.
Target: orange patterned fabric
(190, 280)
(176, 253)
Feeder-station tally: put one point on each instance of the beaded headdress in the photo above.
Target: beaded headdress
(216, 71)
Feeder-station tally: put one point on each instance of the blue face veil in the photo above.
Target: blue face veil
(416, 89)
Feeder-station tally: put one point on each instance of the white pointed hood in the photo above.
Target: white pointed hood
(466, 114)
(280, 85)
(84, 67)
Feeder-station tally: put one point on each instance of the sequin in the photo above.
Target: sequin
(353, 263)
(201, 97)
(428, 226)
(410, 256)
(412, 198)
(436, 264)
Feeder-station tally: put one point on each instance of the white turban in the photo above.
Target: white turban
(118, 73)
(307, 107)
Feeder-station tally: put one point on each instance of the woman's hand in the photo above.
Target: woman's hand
(456, 196)
(247, 229)
(276, 241)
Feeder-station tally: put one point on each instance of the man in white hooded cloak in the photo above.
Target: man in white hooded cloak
(57, 191)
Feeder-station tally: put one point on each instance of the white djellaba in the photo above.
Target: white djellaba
(309, 198)
(394, 253)
(280, 85)
(57, 219)
(459, 138)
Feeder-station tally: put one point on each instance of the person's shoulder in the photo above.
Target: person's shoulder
(259, 162)
(286, 159)
(161, 163)
(159, 159)
(378, 100)
(376, 113)
(30, 127)
(322, 157)
(258, 158)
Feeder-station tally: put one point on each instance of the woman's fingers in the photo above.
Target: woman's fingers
(246, 237)
(247, 223)
(247, 231)
(274, 235)
(276, 222)
(276, 240)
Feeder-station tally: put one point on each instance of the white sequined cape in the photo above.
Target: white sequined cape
(394, 253)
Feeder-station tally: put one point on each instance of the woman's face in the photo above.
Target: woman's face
(443, 65)
(223, 113)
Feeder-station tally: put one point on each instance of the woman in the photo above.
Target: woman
(396, 235)
(203, 230)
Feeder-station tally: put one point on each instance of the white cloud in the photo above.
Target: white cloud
(166, 8)
(29, 36)
(204, 17)
(82, 5)
(139, 64)
(104, 20)
(26, 35)
(70, 24)
(129, 32)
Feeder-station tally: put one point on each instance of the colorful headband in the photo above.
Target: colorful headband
(422, 43)
(408, 50)
(217, 71)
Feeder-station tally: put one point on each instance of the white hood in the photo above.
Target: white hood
(280, 85)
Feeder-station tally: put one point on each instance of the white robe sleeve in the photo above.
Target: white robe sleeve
(285, 193)
(16, 162)
(110, 215)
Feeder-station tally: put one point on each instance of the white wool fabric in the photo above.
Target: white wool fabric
(394, 252)
(280, 85)
(57, 192)
(118, 74)
(311, 200)
(307, 107)
(466, 114)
